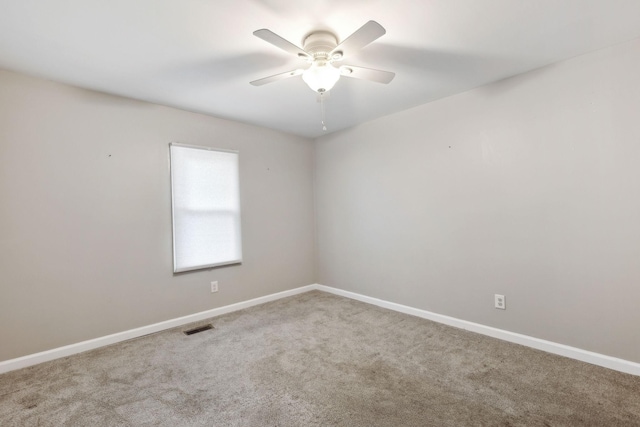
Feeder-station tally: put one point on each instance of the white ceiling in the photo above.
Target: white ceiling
(200, 55)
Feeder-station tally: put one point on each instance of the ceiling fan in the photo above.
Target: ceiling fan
(321, 50)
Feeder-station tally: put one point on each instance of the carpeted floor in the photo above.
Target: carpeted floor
(318, 360)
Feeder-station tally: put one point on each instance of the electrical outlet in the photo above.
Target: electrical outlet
(214, 286)
(500, 302)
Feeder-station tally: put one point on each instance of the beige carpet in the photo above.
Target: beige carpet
(318, 360)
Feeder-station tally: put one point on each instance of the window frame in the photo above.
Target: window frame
(173, 208)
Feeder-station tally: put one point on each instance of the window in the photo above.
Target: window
(205, 202)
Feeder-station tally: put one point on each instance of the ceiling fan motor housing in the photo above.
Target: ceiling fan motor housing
(320, 44)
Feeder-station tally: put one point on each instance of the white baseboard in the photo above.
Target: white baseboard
(68, 350)
(539, 344)
(548, 346)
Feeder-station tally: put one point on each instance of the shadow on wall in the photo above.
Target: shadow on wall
(92, 97)
(511, 83)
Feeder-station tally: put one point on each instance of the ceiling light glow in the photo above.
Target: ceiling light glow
(321, 76)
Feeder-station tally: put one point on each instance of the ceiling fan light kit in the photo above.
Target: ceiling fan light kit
(321, 76)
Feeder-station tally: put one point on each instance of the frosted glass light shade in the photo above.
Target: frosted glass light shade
(205, 195)
(321, 76)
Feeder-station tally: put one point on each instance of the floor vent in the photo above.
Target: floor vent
(198, 329)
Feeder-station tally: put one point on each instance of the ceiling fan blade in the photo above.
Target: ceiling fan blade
(271, 37)
(277, 77)
(367, 74)
(362, 37)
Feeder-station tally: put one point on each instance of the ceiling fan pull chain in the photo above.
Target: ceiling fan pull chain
(324, 122)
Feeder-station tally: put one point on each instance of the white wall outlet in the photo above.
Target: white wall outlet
(214, 286)
(500, 302)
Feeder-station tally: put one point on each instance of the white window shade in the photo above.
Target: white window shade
(205, 195)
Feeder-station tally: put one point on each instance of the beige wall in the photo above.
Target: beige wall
(529, 187)
(85, 239)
